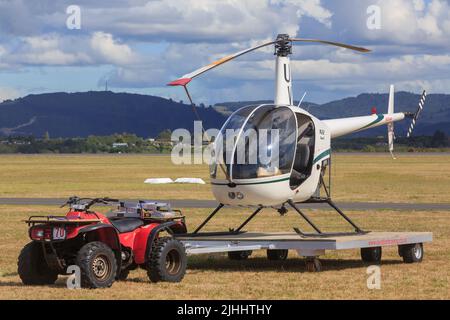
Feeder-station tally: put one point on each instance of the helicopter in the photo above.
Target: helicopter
(304, 141)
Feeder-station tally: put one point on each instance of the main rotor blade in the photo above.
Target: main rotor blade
(337, 44)
(184, 80)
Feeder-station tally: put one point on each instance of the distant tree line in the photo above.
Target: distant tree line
(117, 143)
(130, 143)
(438, 141)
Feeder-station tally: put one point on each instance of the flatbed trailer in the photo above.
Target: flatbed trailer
(239, 244)
(410, 244)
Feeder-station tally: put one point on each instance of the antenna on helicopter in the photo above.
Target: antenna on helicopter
(301, 100)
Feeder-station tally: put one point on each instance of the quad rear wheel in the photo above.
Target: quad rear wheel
(32, 267)
(167, 261)
(97, 264)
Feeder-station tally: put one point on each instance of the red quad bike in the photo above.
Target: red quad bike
(104, 247)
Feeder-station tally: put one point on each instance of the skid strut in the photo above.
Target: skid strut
(319, 233)
(249, 219)
(220, 206)
(230, 231)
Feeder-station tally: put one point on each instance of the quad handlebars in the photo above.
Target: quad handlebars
(86, 203)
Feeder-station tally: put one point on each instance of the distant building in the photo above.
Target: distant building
(120, 145)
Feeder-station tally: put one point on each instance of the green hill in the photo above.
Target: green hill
(98, 113)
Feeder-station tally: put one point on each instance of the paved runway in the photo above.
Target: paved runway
(213, 204)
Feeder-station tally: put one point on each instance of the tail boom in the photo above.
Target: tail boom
(345, 126)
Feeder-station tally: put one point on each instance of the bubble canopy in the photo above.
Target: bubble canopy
(255, 142)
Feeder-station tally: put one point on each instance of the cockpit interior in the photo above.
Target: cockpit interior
(265, 141)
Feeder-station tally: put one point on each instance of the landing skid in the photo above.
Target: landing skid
(318, 232)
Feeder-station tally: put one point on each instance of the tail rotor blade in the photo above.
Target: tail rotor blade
(416, 115)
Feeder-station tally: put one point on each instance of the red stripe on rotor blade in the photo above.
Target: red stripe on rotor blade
(180, 82)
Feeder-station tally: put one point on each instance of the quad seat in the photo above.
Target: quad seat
(124, 225)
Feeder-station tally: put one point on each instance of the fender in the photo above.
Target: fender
(113, 243)
(151, 237)
(107, 234)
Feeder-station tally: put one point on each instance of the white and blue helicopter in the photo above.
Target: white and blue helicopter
(304, 142)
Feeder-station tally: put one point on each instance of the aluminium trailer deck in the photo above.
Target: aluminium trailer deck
(310, 247)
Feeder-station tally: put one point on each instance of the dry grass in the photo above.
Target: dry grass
(424, 178)
(371, 177)
(376, 177)
(215, 277)
(121, 176)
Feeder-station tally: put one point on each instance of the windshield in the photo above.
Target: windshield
(220, 168)
(261, 145)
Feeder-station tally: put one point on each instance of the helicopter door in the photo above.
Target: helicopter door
(304, 155)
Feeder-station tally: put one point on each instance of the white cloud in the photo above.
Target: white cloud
(402, 22)
(149, 42)
(49, 49)
(310, 8)
(409, 72)
(434, 22)
(110, 50)
(193, 21)
(419, 5)
(8, 93)
(57, 50)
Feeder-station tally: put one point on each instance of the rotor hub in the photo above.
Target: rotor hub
(283, 46)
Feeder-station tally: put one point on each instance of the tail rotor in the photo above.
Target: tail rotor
(415, 116)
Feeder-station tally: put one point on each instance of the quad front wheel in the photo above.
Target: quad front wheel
(32, 267)
(167, 261)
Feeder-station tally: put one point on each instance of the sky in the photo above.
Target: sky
(140, 45)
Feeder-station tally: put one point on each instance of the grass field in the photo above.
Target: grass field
(371, 177)
(422, 179)
(215, 277)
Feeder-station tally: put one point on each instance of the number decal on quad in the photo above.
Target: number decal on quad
(59, 233)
